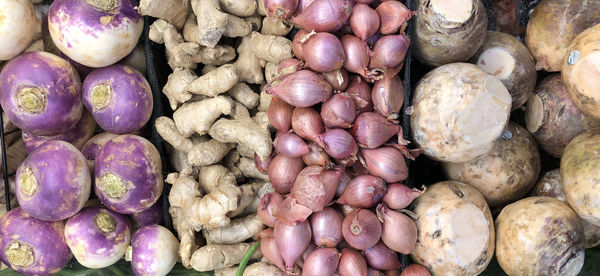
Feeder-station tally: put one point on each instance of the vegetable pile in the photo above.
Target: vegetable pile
(80, 128)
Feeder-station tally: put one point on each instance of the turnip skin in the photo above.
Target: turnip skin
(77, 136)
(581, 70)
(580, 174)
(550, 185)
(539, 236)
(516, 71)
(97, 236)
(41, 93)
(128, 174)
(440, 41)
(32, 246)
(152, 215)
(95, 36)
(54, 182)
(506, 173)
(17, 27)
(552, 117)
(119, 97)
(153, 251)
(460, 112)
(455, 230)
(552, 27)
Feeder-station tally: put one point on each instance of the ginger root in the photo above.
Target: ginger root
(248, 168)
(198, 117)
(238, 231)
(173, 11)
(210, 177)
(230, 162)
(255, 269)
(243, 131)
(215, 82)
(211, 210)
(270, 47)
(175, 87)
(239, 111)
(242, 93)
(242, 8)
(217, 256)
(249, 67)
(212, 23)
(276, 26)
(265, 100)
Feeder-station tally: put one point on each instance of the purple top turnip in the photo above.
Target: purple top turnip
(92, 147)
(153, 251)
(17, 27)
(54, 182)
(153, 215)
(95, 33)
(77, 136)
(32, 246)
(128, 174)
(41, 93)
(97, 236)
(119, 97)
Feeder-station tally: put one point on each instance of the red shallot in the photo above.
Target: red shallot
(280, 114)
(262, 166)
(267, 208)
(290, 145)
(283, 171)
(352, 263)
(343, 184)
(269, 250)
(292, 212)
(399, 231)
(315, 187)
(364, 21)
(357, 54)
(288, 66)
(394, 16)
(361, 229)
(321, 262)
(338, 143)
(372, 130)
(324, 15)
(338, 79)
(338, 111)
(398, 196)
(307, 123)
(291, 241)
(316, 156)
(327, 227)
(415, 270)
(298, 43)
(302, 88)
(323, 52)
(388, 96)
(281, 9)
(385, 162)
(360, 91)
(389, 52)
(381, 257)
(363, 191)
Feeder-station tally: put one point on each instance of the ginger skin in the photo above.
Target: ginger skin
(243, 131)
(238, 231)
(215, 82)
(270, 47)
(173, 11)
(210, 177)
(242, 93)
(249, 67)
(198, 117)
(217, 256)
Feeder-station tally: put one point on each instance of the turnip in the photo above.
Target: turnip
(539, 236)
(77, 136)
(552, 117)
(119, 97)
(41, 93)
(152, 215)
(581, 70)
(128, 174)
(550, 185)
(92, 147)
(95, 33)
(54, 182)
(449, 30)
(460, 112)
(580, 175)
(17, 26)
(98, 237)
(455, 230)
(153, 251)
(32, 246)
(507, 59)
(507, 172)
(552, 27)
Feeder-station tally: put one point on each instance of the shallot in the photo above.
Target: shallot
(283, 171)
(327, 227)
(292, 212)
(290, 145)
(291, 241)
(281, 9)
(321, 262)
(398, 196)
(381, 257)
(352, 263)
(388, 96)
(316, 156)
(389, 52)
(372, 130)
(267, 208)
(338, 143)
(323, 52)
(415, 270)
(361, 229)
(307, 123)
(315, 187)
(298, 43)
(393, 16)
(363, 191)
(399, 231)
(280, 114)
(262, 166)
(268, 247)
(385, 162)
(338, 111)
(338, 79)
(324, 15)
(357, 55)
(364, 21)
(360, 92)
(303, 88)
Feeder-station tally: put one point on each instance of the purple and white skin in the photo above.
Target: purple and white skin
(119, 98)
(97, 236)
(77, 136)
(92, 147)
(95, 33)
(152, 215)
(136, 59)
(32, 246)
(41, 93)
(17, 27)
(153, 251)
(54, 182)
(128, 174)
